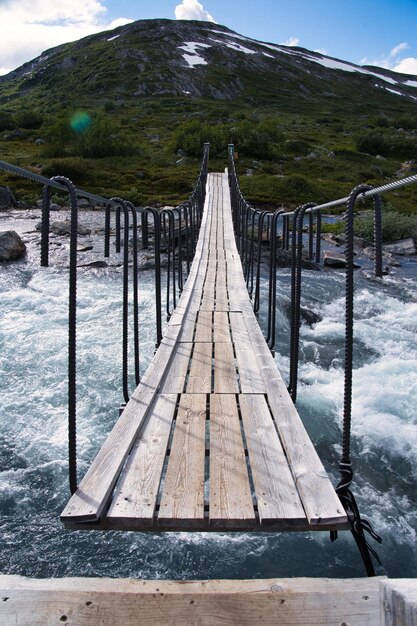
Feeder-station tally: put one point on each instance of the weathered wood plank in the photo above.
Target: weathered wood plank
(183, 492)
(188, 326)
(398, 602)
(230, 495)
(177, 372)
(276, 494)
(199, 379)
(204, 327)
(225, 377)
(250, 375)
(221, 330)
(130, 602)
(135, 495)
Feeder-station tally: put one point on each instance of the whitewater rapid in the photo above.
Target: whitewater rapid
(33, 439)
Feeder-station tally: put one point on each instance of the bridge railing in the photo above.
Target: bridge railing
(249, 239)
(172, 229)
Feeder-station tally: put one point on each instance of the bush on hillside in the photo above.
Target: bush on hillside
(6, 121)
(97, 137)
(394, 225)
(29, 119)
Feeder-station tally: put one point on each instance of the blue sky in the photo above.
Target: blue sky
(381, 32)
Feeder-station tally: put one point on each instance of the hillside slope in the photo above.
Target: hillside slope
(155, 87)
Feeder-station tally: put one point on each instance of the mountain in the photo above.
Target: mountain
(306, 126)
(152, 58)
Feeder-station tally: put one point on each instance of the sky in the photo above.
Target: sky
(373, 32)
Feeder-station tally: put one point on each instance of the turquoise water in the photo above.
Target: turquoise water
(33, 443)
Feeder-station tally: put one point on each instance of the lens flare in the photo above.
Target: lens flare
(80, 122)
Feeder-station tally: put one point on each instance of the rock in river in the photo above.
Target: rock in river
(11, 246)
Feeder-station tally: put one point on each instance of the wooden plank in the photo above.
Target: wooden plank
(222, 300)
(199, 379)
(398, 602)
(321, 504)
(183, 492)
(230, 495)
(225, 376)
(209, 289)
(276, 493)
(221, 332)
(250, 375)
(95, 489)
(130, 602)
(204, 327)
(135, 495)
(175, 379)
(188, 326)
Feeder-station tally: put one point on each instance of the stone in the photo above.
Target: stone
(83, 203)
(94, 264)
(64, 228)
(11, 246)
(401, 247)
(334, 259)
(7, 198)
(333, 239)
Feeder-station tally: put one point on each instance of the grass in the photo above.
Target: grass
(302, 160)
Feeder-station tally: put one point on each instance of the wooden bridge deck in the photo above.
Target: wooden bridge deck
(210, 439)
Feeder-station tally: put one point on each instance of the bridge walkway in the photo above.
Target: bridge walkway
(210, 439)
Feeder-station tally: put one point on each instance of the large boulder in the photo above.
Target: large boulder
(64, 228)
(401, 247)
(11, 246)
(336, 260)
(7, 199)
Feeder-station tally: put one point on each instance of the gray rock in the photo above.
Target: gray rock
(54, 207)
(401, 247)
(94, 264)
(40, 142)
(11, 246)
(334, 259)
(64, 228)
(60, 228)
(7, 198)
(85, 248)
(334, 240)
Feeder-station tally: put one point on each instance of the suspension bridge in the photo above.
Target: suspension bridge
(210, 439)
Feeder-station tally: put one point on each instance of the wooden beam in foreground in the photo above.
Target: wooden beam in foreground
(124, 602)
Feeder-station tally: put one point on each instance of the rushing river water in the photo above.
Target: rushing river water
(33, 435)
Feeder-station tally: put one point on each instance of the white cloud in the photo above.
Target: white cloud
(192, 10)
(393, 60)
(292, 41)
(31, 26)
(407, 66)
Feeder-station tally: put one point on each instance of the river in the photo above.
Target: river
(33, 436)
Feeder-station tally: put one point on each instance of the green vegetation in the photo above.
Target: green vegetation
(118, 119)
(149, 152)
(394, 225)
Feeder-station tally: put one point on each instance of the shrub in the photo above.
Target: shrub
(371, 143)
(75, 169)
(6, 121)
(29, 119)
(394, 225)
(88, 135)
